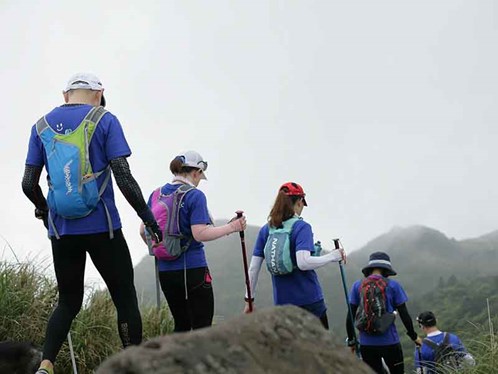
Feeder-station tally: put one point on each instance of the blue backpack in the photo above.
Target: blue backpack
(73, 190)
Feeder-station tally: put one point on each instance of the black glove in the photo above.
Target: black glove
(151, 225)
(43, 215)
(154, 231)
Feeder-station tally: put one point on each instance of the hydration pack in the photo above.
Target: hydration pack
(73, 190)
(277, 248)
(166, 210)
(372, 316)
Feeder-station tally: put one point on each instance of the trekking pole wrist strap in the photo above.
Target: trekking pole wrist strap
(351, 342)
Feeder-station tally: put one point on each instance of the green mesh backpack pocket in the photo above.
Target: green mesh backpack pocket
(277, 249)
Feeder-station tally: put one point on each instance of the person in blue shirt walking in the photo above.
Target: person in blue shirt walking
(301, 287)
(186, 281)
(454, 357)
(383, 345)
(99, 231)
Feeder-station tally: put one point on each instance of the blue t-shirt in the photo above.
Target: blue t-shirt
(299, 287)
(429, 355)
(193, 211)
(395, 296)
(108, 142)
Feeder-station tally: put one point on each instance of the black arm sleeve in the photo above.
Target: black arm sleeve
(130, 189)
(407, 321)
(31, 186)
(349, 322)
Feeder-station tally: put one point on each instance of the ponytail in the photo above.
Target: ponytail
(283, 209)
(177, 168)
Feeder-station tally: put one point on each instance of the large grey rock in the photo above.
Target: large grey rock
(274, 340)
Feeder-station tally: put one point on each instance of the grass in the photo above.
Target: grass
(27, 298)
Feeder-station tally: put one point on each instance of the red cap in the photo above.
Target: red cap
(293, 189)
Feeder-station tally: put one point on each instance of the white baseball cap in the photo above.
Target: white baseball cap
(194, 159)
(85, 81)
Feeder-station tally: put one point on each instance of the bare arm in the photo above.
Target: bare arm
(206, 233)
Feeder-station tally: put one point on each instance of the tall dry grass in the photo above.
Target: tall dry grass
(27, 298)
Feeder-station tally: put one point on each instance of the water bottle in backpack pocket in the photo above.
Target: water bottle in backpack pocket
(166, 210)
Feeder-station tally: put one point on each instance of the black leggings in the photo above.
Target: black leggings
(196, 310)
(392, 354)
(112, 260)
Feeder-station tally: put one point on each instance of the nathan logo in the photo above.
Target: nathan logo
(273, 253)
(67, 177)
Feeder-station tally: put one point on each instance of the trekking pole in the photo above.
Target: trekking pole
(158, 294)
(244, 258)
(71, 351)
(337, 244)
(419, 353)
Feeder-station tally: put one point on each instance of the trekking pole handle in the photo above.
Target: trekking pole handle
(239, 214)
(337, 245)
(246, 268)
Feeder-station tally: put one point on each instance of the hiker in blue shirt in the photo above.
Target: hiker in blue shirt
(440, 350)
(185, 280)
(98, 231)
(300, 287)
(378, 337)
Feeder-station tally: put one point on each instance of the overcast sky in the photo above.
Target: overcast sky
(385, 111)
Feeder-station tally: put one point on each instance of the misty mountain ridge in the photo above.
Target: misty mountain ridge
(422, 257)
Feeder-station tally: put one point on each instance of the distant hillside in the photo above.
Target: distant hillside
(423, 257)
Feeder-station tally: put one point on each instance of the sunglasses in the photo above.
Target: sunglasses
(203, 165)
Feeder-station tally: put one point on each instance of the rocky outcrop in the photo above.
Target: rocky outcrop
(274, 340)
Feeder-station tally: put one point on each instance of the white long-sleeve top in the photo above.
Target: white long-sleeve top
(304, 259)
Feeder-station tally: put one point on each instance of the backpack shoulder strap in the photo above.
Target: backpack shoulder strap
(289, 224)
(95, 114)
(433, 345)
(93, 117)
(446, 338)
(41, 125)
(184, 188)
